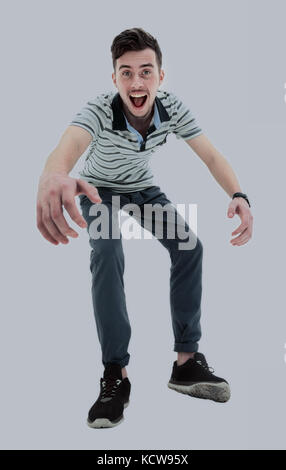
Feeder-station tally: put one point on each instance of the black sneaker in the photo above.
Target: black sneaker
(108, 409)
(196, 378)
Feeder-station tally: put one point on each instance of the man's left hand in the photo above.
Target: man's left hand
(239, 206)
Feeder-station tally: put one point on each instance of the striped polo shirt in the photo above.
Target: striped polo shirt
(155, 120)
(118, 157)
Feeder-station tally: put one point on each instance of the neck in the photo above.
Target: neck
(140, 122)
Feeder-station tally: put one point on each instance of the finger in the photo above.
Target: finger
(89, 190)
(242, 233)
(243, 226)
(239, 239)
(43, 229)
(242, 237)
(50, 225)
(231, 212)
(242, 242)
(58, 218)
(69, 203)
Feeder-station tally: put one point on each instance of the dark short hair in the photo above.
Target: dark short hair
(135, 39)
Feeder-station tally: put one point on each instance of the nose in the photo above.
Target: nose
(137, 83)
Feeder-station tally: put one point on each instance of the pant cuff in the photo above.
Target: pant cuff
(186, 347)
(122, 362)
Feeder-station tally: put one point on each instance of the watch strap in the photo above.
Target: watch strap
(241, 195)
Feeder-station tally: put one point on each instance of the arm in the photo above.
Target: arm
(56, 188)
(216, 163)
(225, 176)
(71, 146)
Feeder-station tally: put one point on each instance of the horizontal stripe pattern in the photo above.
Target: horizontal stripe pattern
(115, 158)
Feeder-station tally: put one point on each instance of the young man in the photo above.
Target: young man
(123, 128)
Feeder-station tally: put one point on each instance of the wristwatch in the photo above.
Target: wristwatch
(241, 195)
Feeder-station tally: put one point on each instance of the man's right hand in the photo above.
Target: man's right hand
(55, 191)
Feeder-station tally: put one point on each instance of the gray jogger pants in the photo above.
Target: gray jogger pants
(107, 269)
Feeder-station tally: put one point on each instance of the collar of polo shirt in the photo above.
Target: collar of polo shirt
(119, 120)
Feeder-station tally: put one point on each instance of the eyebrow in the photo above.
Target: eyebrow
(143, 65)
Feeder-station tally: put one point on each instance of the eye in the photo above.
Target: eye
(148, 71)
(126, 71)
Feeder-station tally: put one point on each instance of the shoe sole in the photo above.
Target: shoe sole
(219, 392)
(105, 422)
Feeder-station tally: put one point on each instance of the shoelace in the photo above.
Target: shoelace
(205, 365)
(109, 386)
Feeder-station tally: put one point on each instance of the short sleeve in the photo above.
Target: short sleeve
(186, 126)
(90, 118)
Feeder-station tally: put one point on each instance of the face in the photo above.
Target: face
(137, 73)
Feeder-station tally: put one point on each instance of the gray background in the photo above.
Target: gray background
(226, 60)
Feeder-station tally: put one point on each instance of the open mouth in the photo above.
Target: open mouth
(139, 101)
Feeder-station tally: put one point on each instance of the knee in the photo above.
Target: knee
(108, 249)
(187, 252)
(199, 246)
(192, 246)
(197, 249)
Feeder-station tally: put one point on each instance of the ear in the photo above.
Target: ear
(114, 78)
(162, 74)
